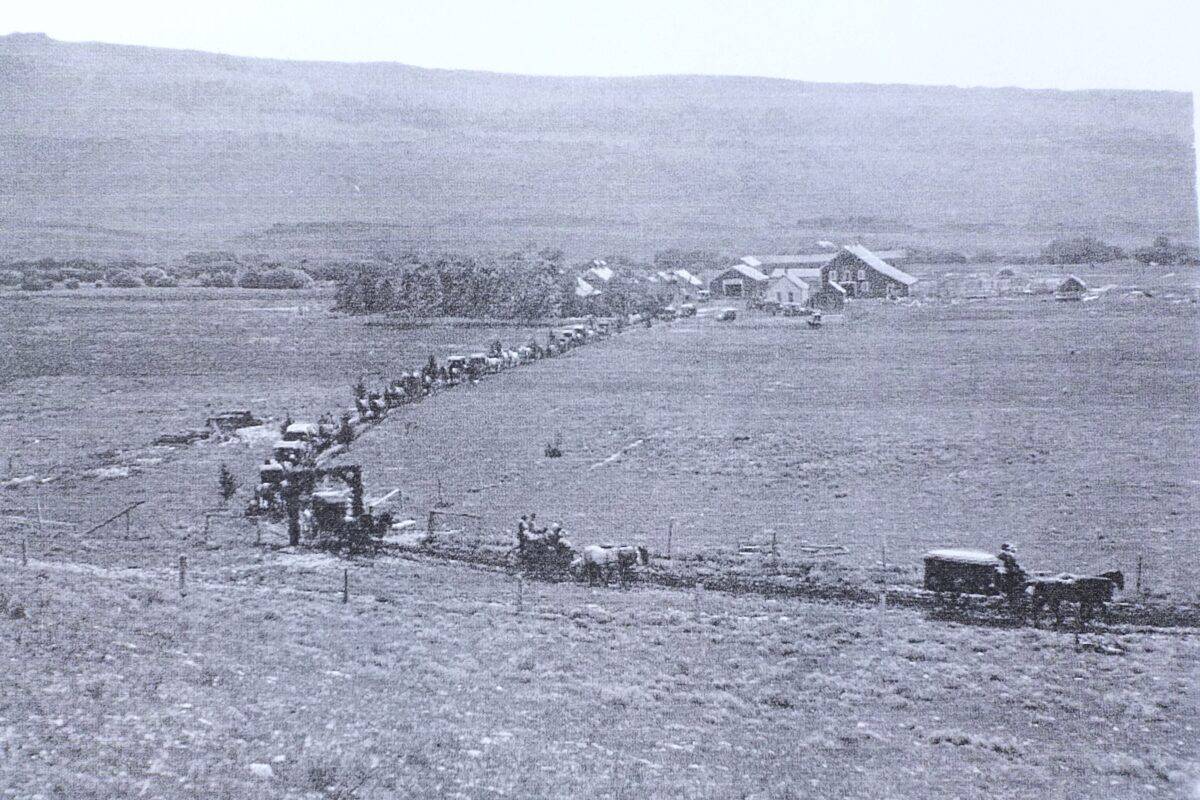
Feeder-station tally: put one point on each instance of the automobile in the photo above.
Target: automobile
(301, 432)
(726, 315)
(687, 310)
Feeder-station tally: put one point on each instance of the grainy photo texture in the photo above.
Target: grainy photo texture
(699, 400)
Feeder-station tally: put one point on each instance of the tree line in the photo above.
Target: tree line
(521, 285)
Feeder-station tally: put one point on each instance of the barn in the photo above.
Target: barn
(788, 289)
(740, 280)
(864, 274)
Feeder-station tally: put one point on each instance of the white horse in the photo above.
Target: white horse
(599, 562)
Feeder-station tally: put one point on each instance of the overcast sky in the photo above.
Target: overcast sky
(1068, 44)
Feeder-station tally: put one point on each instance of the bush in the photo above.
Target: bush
(250, 279)
(124, 280)
(72, 284)
(218, 280)
(1081, 250)
(169, 282)
(286, 278)
(154, 276)
(33, 282)
(11, 277)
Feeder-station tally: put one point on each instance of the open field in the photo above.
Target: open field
(1069, 429)
(431, 683)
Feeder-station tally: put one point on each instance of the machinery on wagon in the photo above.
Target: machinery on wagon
(333, 517)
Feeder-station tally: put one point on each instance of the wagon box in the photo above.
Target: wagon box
(962, 571)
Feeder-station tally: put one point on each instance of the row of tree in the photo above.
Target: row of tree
(521, 285)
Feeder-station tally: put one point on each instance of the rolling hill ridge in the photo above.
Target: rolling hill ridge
(127, 148)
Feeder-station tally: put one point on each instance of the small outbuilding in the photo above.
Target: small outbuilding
(788, 290)
(740, 280)
(829, 296)
(1072, 288)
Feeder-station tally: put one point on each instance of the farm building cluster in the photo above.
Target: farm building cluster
(821, 280)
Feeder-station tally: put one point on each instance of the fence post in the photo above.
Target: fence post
(183, 576)
(670, 535)
(429, 527)
(345, 586)
(775, 548)
(24, 551)
(520, 592)
(882, 583)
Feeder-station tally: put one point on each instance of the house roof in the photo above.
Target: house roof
(792, 279)
(602, 272)
(585, 289)
(1072, 283)
(747, 271)
(813, 274)
(879, 265)
(688, 277)
(777, 261)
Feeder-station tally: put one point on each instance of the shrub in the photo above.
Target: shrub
(72, 284)
(33, 282)
(153, 276)
(11, 277)
(1081, 250)
(124, 280)
(169, 282)
(218, 280)
(285, 278)
(250, 279)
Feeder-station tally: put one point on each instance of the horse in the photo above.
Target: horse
(1089, 591)
(599, 562)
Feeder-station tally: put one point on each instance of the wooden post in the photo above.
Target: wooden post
(24, 551)
(345, 586)
(183, 576)
(429, 527)
(775, 548)
(670, 535)
(1138, 590)
(520, 592)
(882, 583)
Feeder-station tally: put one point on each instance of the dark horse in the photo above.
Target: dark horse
(1088, 591)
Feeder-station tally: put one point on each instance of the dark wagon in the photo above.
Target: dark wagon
(962, 571)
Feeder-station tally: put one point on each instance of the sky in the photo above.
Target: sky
(1066, 44)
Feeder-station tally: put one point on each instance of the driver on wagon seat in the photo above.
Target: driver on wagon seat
(1012, 577)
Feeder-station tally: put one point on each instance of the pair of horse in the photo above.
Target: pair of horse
(1089, 592)
(602, 562)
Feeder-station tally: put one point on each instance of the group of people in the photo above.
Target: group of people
(529, 535)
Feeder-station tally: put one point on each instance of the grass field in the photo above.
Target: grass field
(1069, 429)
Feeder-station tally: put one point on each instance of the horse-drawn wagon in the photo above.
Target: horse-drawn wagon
(962, 571)
(542, 557)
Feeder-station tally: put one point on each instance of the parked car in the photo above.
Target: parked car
(726, 315)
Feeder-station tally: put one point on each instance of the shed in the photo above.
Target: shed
(829, 296)
(688, 278)
(788, 290)
(864, 274)
(740, 280)
(1072, 288)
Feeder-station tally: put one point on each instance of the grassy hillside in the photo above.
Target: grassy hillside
(185, 148)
